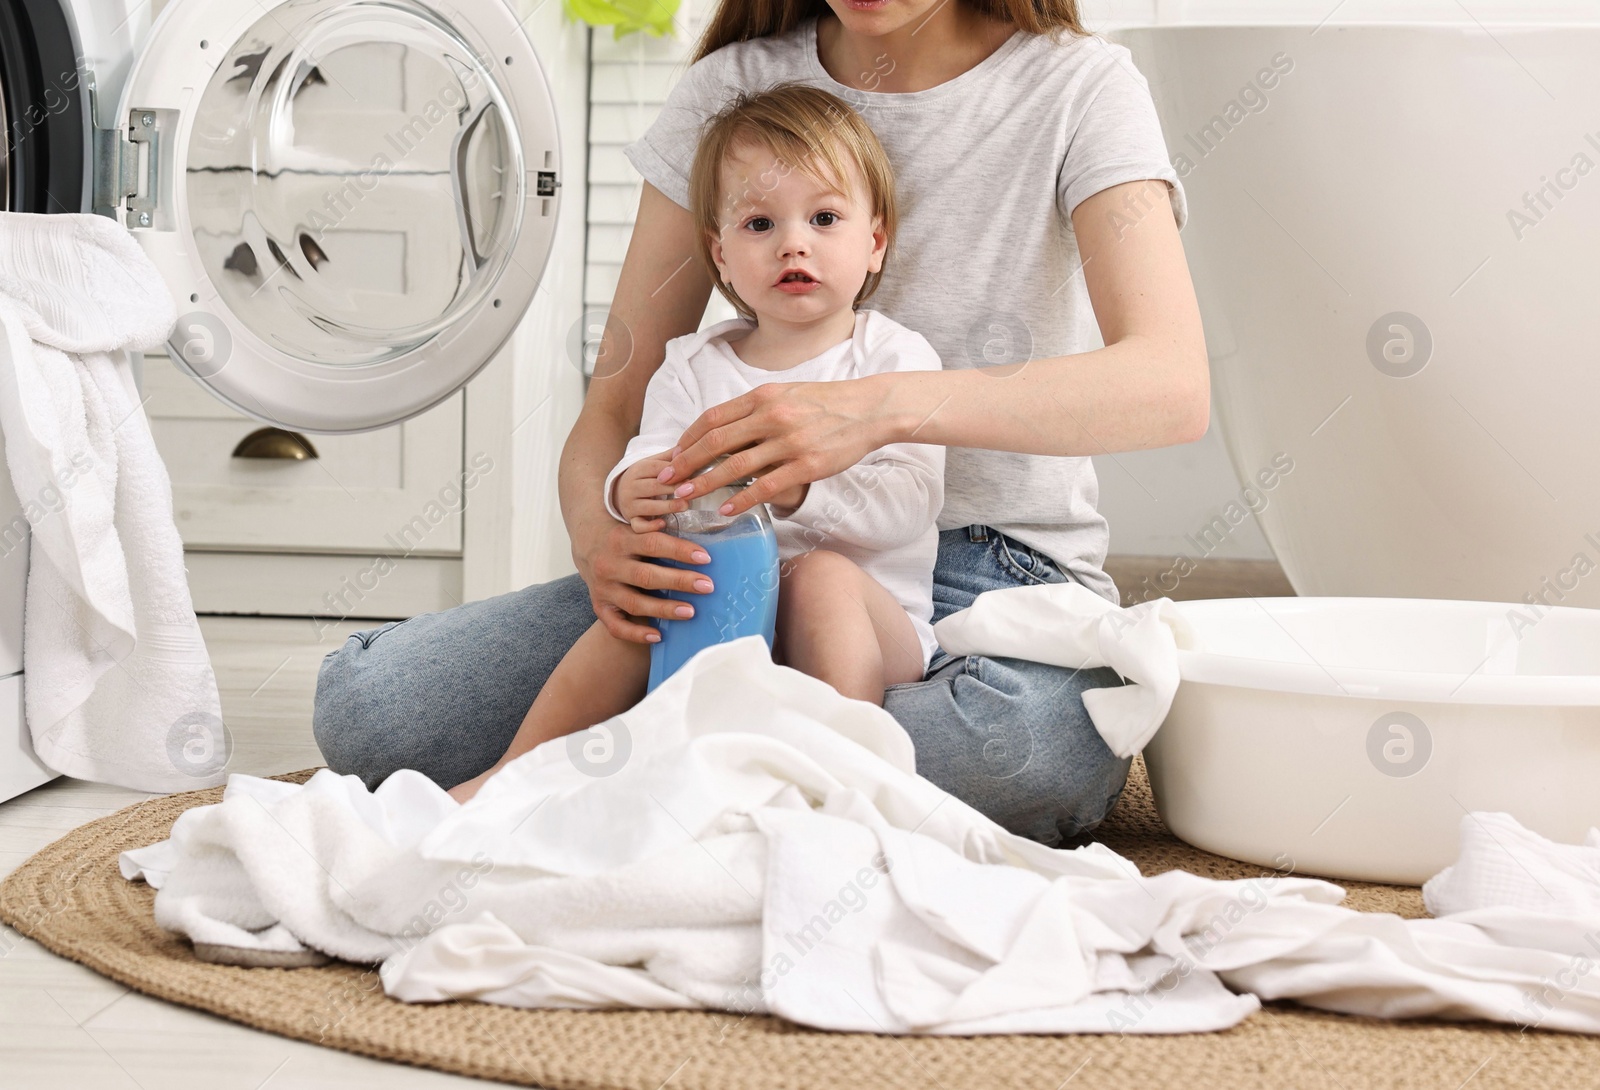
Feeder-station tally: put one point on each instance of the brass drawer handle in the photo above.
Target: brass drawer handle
(275, 443)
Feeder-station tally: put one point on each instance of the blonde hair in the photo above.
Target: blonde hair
(806, 128)
(741, 20)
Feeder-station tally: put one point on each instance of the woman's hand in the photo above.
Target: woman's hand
(785, 434)
(785, 502)
(616, 565)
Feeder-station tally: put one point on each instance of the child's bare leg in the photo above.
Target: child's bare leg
(837, 623)
(599, 677)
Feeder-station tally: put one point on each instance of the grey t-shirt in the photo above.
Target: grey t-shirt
(989, 167)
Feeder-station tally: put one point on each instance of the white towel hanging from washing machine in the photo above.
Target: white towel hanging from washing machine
(117, 687)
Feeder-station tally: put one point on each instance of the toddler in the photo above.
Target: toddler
(794, 198)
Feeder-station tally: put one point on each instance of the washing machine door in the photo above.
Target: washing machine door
(352, 201)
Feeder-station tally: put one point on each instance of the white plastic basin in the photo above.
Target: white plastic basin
(1347, 737)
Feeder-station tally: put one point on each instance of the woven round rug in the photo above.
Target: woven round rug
(71, 898)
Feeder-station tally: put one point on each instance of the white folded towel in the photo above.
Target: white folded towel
(747, 839)
(118, 687)
(1067, 624)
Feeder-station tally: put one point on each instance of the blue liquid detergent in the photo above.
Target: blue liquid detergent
(744, 571)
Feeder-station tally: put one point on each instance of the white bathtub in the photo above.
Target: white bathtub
(1386, 300)
(1348, 737)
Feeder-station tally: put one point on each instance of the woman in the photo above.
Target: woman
(1035, 183)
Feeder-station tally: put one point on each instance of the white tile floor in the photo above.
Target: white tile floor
(63, 1026)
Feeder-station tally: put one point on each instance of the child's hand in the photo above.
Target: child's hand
(641, 498)
(785, 502)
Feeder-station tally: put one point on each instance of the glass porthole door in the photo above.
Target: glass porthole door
(352, 201)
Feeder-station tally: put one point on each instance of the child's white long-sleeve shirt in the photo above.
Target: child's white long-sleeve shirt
(881, 512)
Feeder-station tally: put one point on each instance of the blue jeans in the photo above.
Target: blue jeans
(444, 693)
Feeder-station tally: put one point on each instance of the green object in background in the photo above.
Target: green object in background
(626, 16)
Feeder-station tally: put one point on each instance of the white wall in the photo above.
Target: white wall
(628, 83)
(1154, 499)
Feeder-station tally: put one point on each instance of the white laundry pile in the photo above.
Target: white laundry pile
(747, 839)
(119, 686)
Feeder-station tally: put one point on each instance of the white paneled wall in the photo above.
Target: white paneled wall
(628, 82)
(1154, 500)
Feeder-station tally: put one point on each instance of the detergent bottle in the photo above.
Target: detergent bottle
(743, 572)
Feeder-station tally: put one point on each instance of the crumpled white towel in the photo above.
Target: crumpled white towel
(742, 839)
(1501, 863)
(749, 840)
(1067, 624)
(118, 685)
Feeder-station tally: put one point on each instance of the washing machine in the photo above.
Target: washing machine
(351, 201)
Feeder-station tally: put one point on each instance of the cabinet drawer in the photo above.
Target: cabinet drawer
(398, 490)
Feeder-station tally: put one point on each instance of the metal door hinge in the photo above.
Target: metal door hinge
(119, 175)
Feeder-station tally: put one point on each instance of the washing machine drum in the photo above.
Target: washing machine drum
(43, 112)
(351, 200)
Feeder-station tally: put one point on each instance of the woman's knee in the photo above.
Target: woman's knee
(347, 723)
(1012, 739)
(438, 691)
(1073, 776)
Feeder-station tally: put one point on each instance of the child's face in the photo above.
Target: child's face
(774, 218)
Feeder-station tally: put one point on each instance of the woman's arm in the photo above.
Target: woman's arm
(1149, 387)
(661, 294)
